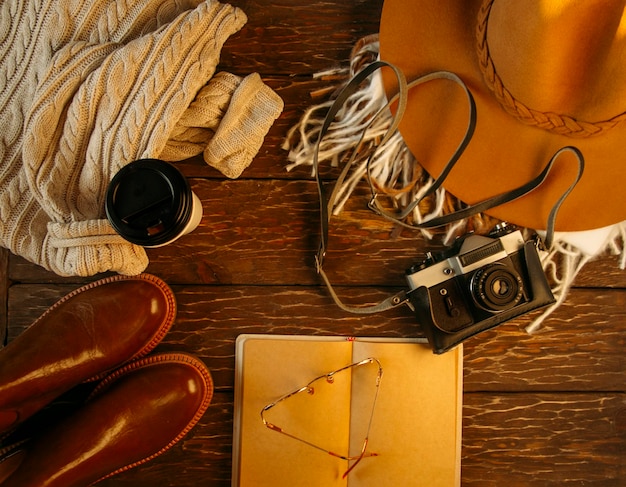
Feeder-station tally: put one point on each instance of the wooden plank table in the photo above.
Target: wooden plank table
(539, 410)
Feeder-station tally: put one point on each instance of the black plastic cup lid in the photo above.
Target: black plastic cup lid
(149, 202)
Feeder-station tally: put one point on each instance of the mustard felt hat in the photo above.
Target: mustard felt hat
(544, 74)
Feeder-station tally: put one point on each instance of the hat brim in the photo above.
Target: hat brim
(423, 36)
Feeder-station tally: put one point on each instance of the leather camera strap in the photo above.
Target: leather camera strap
(327, 204)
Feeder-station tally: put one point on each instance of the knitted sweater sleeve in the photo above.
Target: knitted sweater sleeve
(103, 83)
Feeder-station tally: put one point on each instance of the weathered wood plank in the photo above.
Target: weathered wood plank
(544, 439)
(4, 291)
(519, 440)
(579, 349)
(287, 37)
(267, 232)
(563, 354)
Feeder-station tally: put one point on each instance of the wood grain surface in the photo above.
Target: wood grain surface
(547, 409)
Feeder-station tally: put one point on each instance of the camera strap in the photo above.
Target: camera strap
(327, 203)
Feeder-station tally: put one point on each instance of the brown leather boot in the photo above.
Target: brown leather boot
(90, 331)
(134, 415)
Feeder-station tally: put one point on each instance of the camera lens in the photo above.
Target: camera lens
(496, 287)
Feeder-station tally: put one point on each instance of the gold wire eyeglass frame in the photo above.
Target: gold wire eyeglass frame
(310, 389)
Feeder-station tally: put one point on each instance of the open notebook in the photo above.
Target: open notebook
(415, 428)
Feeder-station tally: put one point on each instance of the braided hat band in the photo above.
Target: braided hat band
(553, 122)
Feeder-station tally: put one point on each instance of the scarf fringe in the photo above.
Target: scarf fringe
(359, 127)
(563, 262)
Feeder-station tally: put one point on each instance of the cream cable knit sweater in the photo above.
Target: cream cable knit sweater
(85, 88)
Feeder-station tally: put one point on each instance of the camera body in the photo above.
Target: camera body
(480, 283)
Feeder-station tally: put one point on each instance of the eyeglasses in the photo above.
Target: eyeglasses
(324, 382)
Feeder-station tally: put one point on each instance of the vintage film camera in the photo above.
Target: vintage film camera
(478, 284)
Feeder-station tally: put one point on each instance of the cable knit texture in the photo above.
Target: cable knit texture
(87, 87)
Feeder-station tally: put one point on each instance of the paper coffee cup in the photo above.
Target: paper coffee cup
(150, 203)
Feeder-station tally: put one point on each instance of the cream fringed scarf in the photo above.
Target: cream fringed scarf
(86, 87)
(394, 167)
